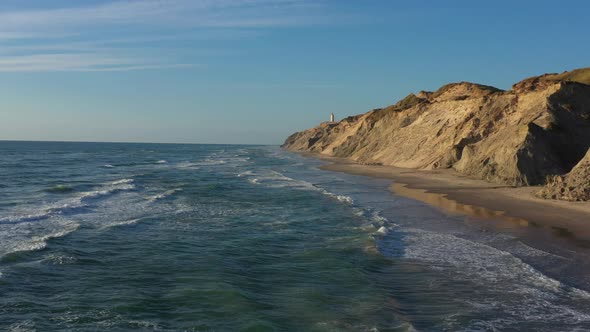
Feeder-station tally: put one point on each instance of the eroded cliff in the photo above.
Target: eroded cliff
(538, 129)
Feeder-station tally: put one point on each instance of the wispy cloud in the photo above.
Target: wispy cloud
(82, 38)
(79, 62)
(195, 13)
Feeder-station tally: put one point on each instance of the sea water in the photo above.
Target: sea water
(159, 237)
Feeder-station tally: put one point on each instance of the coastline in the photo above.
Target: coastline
(455, 193)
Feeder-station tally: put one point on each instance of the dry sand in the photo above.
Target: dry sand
(459, 194)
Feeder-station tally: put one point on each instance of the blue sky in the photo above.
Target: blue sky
(254, 71)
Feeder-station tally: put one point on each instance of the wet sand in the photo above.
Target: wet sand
(455, 193)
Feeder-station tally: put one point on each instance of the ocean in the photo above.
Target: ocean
(172, 237)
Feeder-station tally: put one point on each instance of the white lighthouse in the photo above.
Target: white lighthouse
(332, 117)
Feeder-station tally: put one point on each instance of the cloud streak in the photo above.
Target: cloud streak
(171, 13)
(50, 39)
(73, 62)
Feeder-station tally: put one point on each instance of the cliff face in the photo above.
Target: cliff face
(539, 128)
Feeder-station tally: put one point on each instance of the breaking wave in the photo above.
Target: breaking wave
(20, 242)
(22, 230)
(164, 195)
(121, 223)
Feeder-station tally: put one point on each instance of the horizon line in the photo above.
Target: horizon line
(124, 142)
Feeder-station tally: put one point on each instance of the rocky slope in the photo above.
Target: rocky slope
(575, 186)
(538, 129)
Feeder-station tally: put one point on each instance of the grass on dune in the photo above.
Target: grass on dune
(581, 75)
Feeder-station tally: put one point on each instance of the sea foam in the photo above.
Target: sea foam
(526, 291)
(164, 195)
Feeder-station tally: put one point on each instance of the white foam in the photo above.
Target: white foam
(58, 259)
(111, 188)
(29, 230)
(95, 194)
(25, 217)
(145, 325)
(269, 178)
(165, 194)
(376, 216)
(274, 179)
(343, 198)
(522, 249)
(24, 326)
(375, 222)
(199, 164)
(20, 240)
(383, 230)
(188, 165)
(473, 258)
(162, 161)
(62, 207)
(65, 207)
(120, 223)
(122, 181)
(513, 285)
(238, 159)
(108, 166)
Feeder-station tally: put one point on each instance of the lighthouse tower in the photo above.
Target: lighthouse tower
(332, 117)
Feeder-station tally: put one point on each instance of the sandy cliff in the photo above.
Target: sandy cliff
(524, 136)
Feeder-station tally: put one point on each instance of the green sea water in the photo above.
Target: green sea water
(148, 237)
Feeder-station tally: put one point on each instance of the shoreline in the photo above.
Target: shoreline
(458, 194)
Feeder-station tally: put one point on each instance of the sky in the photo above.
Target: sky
(255, 71)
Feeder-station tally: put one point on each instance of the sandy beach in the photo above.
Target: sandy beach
(455, 193)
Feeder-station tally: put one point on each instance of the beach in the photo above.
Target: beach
(455, 193)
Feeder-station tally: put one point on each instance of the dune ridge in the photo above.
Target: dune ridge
(533, 134)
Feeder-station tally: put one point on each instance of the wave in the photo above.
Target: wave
(60, 208)
(274, 179)
(202, 163)
(237, 159)
(373, 216)
(162, 161)
(104, 192)
(69, 206)
(37, 242)
(188, 165)
(222, 157)
(164, 195)
(122, 181)
(336, 325)
(121, 223)
(511, 284)
(57, 259)
(342, 198)
(110, 188)
(15, 219)
(108, 166)
(383, 230)
(60, 189)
